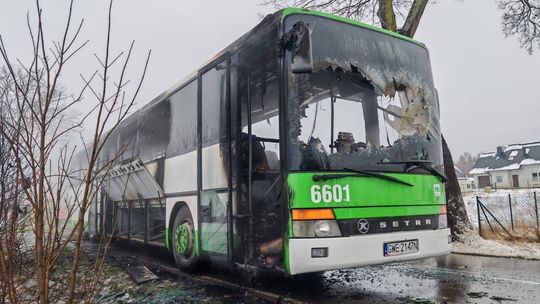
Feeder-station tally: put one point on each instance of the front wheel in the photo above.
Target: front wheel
(183, 240)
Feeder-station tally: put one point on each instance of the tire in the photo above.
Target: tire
(183, 240)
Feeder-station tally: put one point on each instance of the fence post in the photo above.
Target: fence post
(536, 211)
(478, 211)
(511, 215)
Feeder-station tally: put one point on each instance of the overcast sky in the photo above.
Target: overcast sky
(486, 83)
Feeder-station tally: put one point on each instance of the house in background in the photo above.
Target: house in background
(512, 166)
(465, 183)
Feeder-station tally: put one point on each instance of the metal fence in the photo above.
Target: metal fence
(512, 216)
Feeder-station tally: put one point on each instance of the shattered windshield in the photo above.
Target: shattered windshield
(369, 99)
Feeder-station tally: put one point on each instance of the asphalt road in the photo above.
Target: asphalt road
(450, 279)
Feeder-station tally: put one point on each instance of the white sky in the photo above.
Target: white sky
(485, 81)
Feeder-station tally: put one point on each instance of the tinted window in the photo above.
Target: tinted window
(213, 105)
(108, 152)
(127, 144)
(154, 130)
(183, 105)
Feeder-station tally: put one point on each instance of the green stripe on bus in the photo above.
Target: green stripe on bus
(374, 212)
(286, 259)
(294, 10)
(363, 191)
(167, 238)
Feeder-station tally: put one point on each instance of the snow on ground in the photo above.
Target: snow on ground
(472, 243)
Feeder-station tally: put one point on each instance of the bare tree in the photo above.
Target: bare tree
(36, 127)
(365, 10)
(521, 18)
(10, 205)
(466, 162)
(385, 13)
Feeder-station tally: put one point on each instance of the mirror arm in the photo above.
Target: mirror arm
(298, 42)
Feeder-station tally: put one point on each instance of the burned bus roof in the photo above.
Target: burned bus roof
(269, 21)
(293, 10)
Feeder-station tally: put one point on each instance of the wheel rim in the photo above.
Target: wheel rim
(183, 238)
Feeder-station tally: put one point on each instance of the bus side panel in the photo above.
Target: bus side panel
(181, 174)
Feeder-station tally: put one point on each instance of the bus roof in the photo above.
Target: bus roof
(294, 10)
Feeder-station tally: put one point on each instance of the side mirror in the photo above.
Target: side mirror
(302, 61)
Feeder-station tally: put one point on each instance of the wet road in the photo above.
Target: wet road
(450, 279)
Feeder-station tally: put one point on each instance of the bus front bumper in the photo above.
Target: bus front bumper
(356, 251)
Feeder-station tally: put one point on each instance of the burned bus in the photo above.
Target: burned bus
(311, 143)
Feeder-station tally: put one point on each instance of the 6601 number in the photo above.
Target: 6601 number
(330, 193)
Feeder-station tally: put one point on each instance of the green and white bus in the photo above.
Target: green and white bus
(311, 143)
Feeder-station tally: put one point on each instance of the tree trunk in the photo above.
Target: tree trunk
(386, 15)
(457, 214)
(413, 18)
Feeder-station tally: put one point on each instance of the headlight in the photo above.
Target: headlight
(320, 228)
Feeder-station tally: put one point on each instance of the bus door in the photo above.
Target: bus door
(259, 206)
(214, 177)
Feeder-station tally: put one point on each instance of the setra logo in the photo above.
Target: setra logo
(363, 226)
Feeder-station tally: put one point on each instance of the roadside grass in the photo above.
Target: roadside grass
(520, 233)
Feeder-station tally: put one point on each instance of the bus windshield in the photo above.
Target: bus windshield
(370, 99)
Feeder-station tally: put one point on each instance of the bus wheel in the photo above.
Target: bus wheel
(183, 240)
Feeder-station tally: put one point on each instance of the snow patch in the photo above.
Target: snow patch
(472, 243)
(509, 167)
(521, 146)
(530, 161)
(486, 154)
(479, 170)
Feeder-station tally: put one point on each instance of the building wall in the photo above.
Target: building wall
(525, 177)
(466, 184)
(506, 181)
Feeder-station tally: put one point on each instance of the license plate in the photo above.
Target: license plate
(400, 247)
